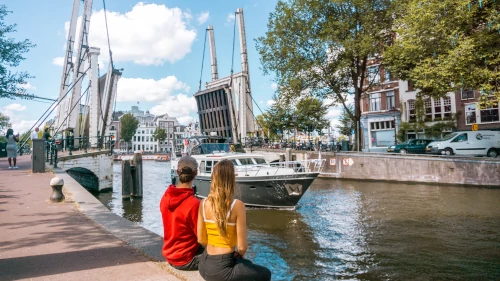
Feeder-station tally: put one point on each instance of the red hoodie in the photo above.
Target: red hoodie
(179, 211)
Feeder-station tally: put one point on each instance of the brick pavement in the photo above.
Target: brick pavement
(40, 240)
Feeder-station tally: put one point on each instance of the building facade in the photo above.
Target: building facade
(380, 109)
(434, 110)
(486, 117)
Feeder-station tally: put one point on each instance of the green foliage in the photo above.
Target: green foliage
(311, 114)
(279, 118)
(11, 54)
(344, 127)
(322, 47)
(4, 123)
(448, 45)
(160, 134)
(128, 126)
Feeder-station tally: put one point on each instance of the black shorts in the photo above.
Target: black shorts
(227, 267)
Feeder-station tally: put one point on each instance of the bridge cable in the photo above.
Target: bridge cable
(107, 34)
(77, 103)
(53, 107)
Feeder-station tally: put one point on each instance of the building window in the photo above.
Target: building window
(134, 138)
(387, 76)
(447, 107)
(171, 136)
(489, 114)
(171, 130)
(147, 138)
(467, 94)
(390, 100)
(143, 139)
(382, 133)
(112, 127)
(428, 110)
(437, 109)
(373, 75)
(170, 124)
(411, 110)
(143, 131)
(470, 114)
(375, 102)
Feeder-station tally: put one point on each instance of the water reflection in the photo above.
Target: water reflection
(357, 230)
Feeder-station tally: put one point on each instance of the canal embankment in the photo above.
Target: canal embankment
(453, 170)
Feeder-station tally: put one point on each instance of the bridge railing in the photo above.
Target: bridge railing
(54, 146)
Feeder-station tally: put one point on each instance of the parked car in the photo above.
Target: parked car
(472, 143)
(410, 146)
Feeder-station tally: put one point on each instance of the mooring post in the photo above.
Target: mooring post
(126, 180)
(137, 176)
(57, 194)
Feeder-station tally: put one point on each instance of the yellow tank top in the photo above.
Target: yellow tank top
(214, 237)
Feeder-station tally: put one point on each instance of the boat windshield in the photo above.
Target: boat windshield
(210, 148)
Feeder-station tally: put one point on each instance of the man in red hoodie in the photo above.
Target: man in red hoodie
(179, 210)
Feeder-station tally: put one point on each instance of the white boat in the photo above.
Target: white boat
(259, 183)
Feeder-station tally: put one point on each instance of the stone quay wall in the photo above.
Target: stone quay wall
(474, 171)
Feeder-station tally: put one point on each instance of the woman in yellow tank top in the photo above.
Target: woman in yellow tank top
(222, 230)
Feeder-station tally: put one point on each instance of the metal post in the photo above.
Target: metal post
(137, 186)
(71, 139)
(47, 151)
(55, 158)
(51, 162)
(127, 181)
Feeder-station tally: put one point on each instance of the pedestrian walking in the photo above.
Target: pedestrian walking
(12, 148)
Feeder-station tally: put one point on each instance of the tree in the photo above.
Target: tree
(322, 47)
(4, 123)
(279, 118)
(311, 114)
(128, 127)
(160, 135)
(11, 54)
(347, 124)
(448, 45)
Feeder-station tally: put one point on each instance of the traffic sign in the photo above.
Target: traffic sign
(333, 162)
(475, 127)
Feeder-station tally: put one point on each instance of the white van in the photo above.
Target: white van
(472, 143)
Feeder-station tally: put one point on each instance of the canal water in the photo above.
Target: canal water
(354, 230)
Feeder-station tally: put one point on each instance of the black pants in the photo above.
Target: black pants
(193, 264)
(228, 268)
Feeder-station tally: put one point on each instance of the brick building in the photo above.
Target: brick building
(469, 112)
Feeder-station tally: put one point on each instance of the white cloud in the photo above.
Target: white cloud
(59, 61)
(261, 102)
(274, 86)
(230, 17)
(14, 107)
(18, 123)
(180, 106)
(138, 89)
(27, 86)
(203, 17)
(149, 34)
(185, 120)
(270, 102)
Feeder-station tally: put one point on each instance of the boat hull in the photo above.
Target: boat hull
(268, 192)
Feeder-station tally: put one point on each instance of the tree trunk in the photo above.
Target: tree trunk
(357, 120)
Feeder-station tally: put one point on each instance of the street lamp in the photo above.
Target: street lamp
(394, 113)
(294, 118)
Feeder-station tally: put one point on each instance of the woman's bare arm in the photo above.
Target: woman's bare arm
(201, 230)
(241, 227)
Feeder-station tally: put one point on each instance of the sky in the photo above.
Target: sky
(159, 44)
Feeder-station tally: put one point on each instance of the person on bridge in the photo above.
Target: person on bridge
(222, 229)
(179, 210)
(12, 148)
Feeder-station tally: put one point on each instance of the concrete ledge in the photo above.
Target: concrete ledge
(147, 242)
(81, 155)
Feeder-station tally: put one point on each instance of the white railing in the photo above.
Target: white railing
(282, 168)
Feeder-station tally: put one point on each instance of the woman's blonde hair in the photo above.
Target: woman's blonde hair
(222, 193)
